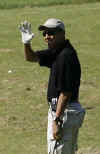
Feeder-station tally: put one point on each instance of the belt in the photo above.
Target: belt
(73, 101)
(70, 102)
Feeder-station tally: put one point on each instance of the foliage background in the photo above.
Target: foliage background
(8, 4)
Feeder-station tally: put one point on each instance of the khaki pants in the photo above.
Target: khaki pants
(72, 120)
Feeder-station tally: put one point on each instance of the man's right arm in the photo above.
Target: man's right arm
(30, 55)
(27, 35)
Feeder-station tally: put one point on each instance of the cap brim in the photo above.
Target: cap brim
(42, 27)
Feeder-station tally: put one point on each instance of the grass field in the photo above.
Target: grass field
(23, 85)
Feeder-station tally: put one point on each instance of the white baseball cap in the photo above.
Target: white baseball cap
(52, 23)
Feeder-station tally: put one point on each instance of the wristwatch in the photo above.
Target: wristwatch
(57, 119)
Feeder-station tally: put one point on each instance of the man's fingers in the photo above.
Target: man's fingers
(29, 25)
(57, 136)
(21, 28)
(25, 27)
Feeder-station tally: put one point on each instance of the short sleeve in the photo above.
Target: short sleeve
(45, 57)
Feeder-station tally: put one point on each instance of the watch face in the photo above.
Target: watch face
(56, 119)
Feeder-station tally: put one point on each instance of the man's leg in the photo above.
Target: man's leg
(54, 147)
(64, 146)
(68, 144)
(73, 122)
(70, 141)
(50, 140)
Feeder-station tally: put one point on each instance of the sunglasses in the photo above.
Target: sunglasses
(51, 32)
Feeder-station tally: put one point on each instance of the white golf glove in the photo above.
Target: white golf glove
(26, 32)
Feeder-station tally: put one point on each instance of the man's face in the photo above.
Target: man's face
(53, 37)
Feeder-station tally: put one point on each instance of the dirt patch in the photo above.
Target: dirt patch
(3, 122)
(5, 50)
(89, 150)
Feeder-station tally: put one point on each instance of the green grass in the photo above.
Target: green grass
(23, 106)
(5, 4)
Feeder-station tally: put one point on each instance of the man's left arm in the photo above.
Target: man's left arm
(64, 86)
(62, 102)
(61, 105)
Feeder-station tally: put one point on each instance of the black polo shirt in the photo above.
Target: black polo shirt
(65, 70)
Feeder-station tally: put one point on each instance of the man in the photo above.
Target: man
(65, 115)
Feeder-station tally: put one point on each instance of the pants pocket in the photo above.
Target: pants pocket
(81, 118)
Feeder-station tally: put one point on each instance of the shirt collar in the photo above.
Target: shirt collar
(58, 50)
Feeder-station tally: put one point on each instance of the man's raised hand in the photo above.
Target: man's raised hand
(25, 29)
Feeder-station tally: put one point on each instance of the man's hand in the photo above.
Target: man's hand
(57, 132)
(26, 32)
